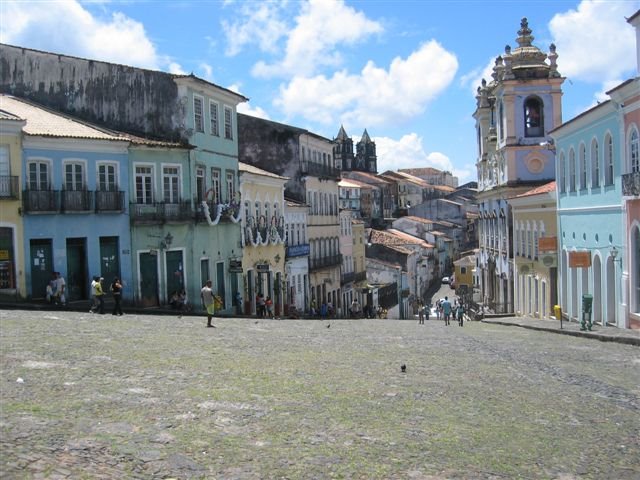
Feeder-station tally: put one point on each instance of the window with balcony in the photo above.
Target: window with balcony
(39, 195)
(107, 195)
(608, 160)
(171, 184)
(8, 183)
(213, 119)
(231, 185)
(201, 188)
(216, 186)
(198, 113)
(144, 184)
(595, 164)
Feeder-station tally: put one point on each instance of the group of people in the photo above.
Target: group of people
(55, 292)
(445, 310)
(264, 306)
(178, 301)
(97, 296)
(326, 309)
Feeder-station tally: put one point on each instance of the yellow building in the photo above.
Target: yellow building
(263, 238)
(463, 275)
(535, 251)
(12, 278)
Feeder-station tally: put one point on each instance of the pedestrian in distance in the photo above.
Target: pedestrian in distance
(420, 314)
(51, 288)
(268, 303)
(116, 291)
(100, 295)
(59, 292)
(460, 314)
(446, 310)
(261, 305)
(427, 311)
(206, 295)
(94, 298)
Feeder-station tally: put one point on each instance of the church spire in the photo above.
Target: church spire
(342, 134)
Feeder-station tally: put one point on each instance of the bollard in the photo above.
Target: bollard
(557, 311)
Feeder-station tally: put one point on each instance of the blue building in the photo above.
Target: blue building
(73, 204)
(590, 213)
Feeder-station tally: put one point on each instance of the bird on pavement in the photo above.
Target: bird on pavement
(403, 368)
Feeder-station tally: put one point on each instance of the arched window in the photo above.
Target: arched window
(583, 167)
(572, 171)
(608, 160)
(533, 118)
(595, 164)
(634, 153)
(562, 174)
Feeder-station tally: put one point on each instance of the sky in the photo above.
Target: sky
(404, 70)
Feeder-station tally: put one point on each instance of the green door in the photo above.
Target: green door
(77, 285)
(109, 259)
(175, 272)
(41, 264)
(148, 280)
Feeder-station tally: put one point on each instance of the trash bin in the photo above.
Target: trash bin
(557, 311)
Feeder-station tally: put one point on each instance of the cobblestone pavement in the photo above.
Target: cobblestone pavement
(158, 397)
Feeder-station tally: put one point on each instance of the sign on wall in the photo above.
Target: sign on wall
(579, 259)
(548, 244)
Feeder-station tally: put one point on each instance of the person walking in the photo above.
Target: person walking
(268, 303)
(446, 310)
(100, 296)
(94, 299)
(206, 295)
(420, 314)
(460, 314)
(59, 295)
(116, 291)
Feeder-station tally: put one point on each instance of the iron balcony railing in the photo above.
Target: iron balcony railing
(41, 201)
(109, 201)
(76, 200)
(347, 278)
(631, 184)
(319, 170)
(360, 276)
(327, 261)
(161, 212)
(8, 187)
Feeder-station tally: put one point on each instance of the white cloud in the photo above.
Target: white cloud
(473, 79)
(208, 71)
(594, 42)
(409, 152)
(375, 97)
(247, 109)
(321, 27)
(67, 27)
(261, 26)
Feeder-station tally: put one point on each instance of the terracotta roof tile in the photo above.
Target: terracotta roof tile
(546, 188)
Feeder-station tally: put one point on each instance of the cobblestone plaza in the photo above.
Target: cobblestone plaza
(145, 396)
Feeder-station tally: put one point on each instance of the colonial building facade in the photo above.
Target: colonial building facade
(515, 111)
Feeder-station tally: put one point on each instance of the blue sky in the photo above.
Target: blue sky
(404, 70)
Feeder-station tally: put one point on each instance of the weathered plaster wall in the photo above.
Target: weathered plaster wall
(138, 101)
(274, 147)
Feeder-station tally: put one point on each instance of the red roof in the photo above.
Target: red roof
(546, 188)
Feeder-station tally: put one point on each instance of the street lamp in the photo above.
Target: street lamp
(614, 254)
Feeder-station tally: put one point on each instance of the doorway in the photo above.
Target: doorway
(77, 286)
(148, 279)
(41, 264)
